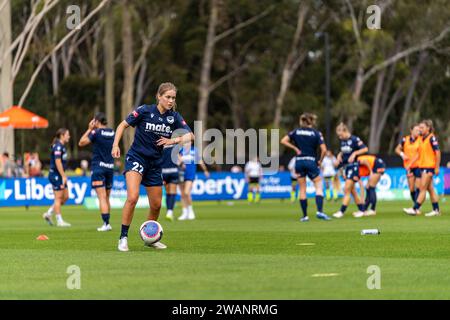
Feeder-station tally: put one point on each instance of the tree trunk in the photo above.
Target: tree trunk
(127, 60)
(205, 76)
(6, 88)
(290, 65)
(108, 49)
(376, 110)
(415, 78)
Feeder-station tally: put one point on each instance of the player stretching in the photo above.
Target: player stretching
(408, 150)
(170, 177)
(57, 176)
(253, 174)
(429, 162)
(102, 164)
(372, 167)
(305, 141)
(189, 159)
(351, 147)
(154, 127)
(330, 175)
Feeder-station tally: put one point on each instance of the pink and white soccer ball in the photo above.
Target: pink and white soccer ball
(151, 232)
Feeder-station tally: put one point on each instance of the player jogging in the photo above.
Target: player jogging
(351, 148)
(102, 164)
(408, 150)
(294, 183)
(372, 167)
(429, 162)
(329, 174)
(305, 141)
(189, 157)
(170, 177)
(154, 125)
(57, 176)
(253, 174)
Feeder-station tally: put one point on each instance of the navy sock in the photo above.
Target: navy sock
(368, 199)
(413, 195)
(168, 196)
(373, 200)
(105, 218)
(417, 205)
(343, 208)
(435, 206)
(124, 231)
(173, 201)
(170, 201)
(417, 195)
(319, 203)
(361, 207)
(304, 205)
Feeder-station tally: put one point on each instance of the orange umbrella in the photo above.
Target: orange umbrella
(19, 118)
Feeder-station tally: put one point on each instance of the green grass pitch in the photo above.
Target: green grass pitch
(232, 251)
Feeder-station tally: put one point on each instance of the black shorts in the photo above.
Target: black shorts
(254, 180)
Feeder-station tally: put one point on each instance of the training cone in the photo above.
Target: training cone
(42, 237)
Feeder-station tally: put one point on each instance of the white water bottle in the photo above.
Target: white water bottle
(370, 231)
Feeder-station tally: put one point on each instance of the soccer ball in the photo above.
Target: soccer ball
(151, 232)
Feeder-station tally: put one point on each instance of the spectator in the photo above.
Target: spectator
(7, 166)
(448, 165)
(84, 167)
(33, 165)
(236, 169)
(19, 170)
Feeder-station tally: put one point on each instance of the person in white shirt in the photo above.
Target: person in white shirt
(253, 174)
(294, 182)
(330, 175)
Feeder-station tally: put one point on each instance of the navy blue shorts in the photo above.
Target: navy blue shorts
(307, 168)
(428, 170)
(351, 171)
(379, 166)
(171, 178)
(150, 170)
(416, 172)
(102, 178)
(56, 181)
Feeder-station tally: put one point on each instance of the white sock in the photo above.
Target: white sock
(184, 211)
(190, 210)
(50, 211)
(169, 212)
(59, 218)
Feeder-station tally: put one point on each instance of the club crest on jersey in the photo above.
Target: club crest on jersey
(135, 114)
(170, 119)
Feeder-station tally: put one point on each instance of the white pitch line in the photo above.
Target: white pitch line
(321, 275)
(305, 244)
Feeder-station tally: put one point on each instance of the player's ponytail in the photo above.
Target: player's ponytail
(101, 117)
(429, 124)
(59, 133)
(308, 120)
(163, 88)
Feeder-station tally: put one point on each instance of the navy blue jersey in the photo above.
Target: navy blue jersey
(307, 140)
(102, 140)
(350, 145)
(167, 160)
(58, 152)
(150, 126)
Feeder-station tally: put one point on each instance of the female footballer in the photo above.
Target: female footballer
(408, 150)
(102, 164)
(305, 141)
(372, 167)
(170, 175)
(189, 159)
(154, 125)
(429, 163)
(57, 176)
(351, 148)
